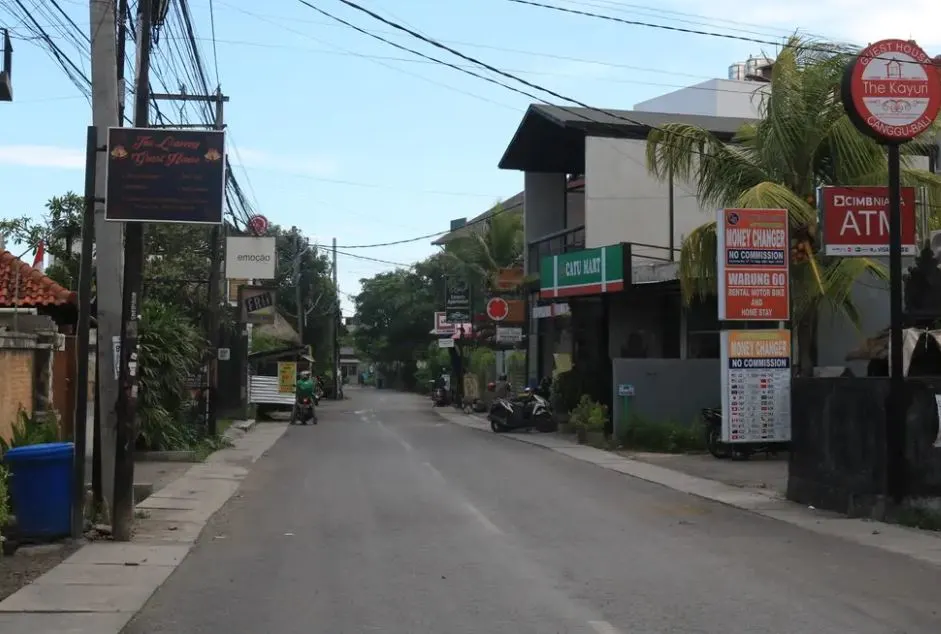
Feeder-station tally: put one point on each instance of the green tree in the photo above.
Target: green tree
(482, 251)
(60, 229)
(803, 140)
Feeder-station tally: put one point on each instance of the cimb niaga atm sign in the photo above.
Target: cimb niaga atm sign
(855, 220)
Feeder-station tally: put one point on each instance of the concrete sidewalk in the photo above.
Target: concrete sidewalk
(921, 545)
(103, 585)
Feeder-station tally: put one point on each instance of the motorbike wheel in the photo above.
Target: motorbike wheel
(545, 424)
(714, 443)
(496, 426)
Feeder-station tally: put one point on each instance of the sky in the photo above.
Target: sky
(347, 137)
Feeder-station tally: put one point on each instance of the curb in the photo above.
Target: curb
(922, 546)
(103, 585)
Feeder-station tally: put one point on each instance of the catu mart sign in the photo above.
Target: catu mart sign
(754, 280)
(586, 272)
(854, 221)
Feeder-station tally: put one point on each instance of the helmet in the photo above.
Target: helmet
(305, 374)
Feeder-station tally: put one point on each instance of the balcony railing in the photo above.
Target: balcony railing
(555, 243)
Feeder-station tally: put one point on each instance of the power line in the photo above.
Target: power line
(212, 26)
(379, 260)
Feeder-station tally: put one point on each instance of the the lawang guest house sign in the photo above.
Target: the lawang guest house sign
(585, 272)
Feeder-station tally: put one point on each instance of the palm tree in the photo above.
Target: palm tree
(803, 140)
(496, 245)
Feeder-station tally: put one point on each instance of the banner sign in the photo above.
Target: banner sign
(754, 279)
(457, 305)
(257, 304)
(250, 258)
(287, 377)
(855, 221)
(585, 272)
(756, 386)
(442, 325)
(165, 176)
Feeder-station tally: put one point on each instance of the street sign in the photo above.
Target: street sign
(498, 309)
(257, 304)
(457, 303)
(165, 176)
(287, 376)
(258, 224)
(754, 279)
(855, 221)
(892, 91)
(224, 354)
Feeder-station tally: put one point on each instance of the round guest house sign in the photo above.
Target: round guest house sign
(892, 91)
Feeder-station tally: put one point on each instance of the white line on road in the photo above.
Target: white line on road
(476, 512)
(603, 627)
(437, 473)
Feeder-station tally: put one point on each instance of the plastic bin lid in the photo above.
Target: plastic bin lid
(44, 450)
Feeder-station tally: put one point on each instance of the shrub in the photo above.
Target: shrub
(589, 416)
(565, 392)
(32, 429)
(662, 436)
(171, 350)
(4, 498)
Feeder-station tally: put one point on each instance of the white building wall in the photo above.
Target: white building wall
(712, 98)
(624, 203)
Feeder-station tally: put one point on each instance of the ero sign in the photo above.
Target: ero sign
(855, 220)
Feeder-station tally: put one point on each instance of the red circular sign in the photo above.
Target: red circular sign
(497, 309)
(892, 91)
(259, 224)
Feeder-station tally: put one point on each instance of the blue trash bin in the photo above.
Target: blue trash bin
(41, 489)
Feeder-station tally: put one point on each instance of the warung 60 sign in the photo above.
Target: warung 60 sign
(753, 249)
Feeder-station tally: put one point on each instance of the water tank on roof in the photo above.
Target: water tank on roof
(754, 65)
(737, 71)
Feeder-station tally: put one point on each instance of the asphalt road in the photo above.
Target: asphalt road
(384, 518)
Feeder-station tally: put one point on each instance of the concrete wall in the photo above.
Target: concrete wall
(669, 389)
(836, 459)
(711, 98)
(623, 203)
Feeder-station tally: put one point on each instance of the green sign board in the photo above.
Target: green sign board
(586, 272)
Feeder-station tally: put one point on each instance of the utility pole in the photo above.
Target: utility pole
(122, 519)
(215, 261)
(336, 327)
(109, 239)
(298, 296)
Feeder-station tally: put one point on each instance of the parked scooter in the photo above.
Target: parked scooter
(530, 411)
(712, 422)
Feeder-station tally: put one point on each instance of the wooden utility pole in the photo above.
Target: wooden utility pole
(336, 327)
(109, 239)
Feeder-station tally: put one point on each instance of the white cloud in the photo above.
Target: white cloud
(42, 156)
(308, 165)
(855, 21)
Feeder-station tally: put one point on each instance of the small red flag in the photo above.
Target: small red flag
(40, 254)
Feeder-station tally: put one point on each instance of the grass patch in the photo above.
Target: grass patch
(223, 424)
(662, 436)
(208, 446)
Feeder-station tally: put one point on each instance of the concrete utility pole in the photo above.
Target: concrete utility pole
(109, 238)
(298, 297)
(336, 327)
(215, 262)
(122, 514)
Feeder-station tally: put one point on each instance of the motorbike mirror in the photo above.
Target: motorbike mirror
(491, 387)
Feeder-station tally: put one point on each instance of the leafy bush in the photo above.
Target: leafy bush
(662, 436)
(32, 429)
(4, 498)
(171, 350)
(589, 416)
(483, 364)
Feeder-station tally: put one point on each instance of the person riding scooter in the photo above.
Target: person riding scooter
(304, 389)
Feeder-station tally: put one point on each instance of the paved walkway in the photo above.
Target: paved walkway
(924, 546)
(99, 588)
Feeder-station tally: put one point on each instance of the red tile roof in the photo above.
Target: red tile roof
(34, 289)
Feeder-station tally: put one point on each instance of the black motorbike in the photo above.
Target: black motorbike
(440, 396)
(304, 412)
(531, 411)
(712, 422)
